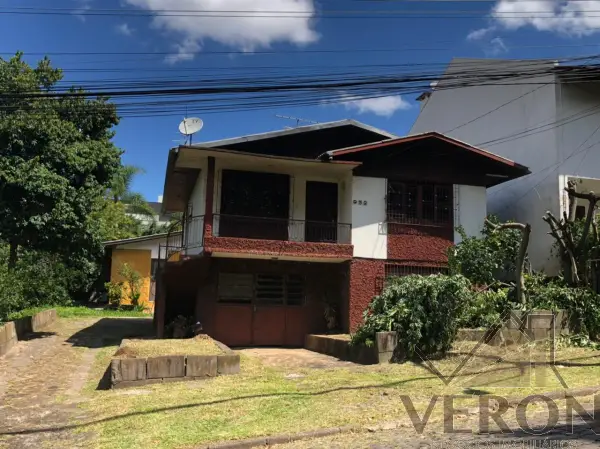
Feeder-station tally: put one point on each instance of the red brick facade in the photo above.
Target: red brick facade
(277, 248)
(419, 244)
(364, 275)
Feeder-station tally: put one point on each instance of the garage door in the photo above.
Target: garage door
(261, 310)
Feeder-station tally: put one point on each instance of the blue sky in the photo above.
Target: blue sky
(170, 44)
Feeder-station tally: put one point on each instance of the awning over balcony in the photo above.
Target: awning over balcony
(186, 162)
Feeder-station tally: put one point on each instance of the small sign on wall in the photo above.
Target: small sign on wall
(360, 202)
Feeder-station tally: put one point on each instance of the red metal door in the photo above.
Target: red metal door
(233, 324)
(268, 326)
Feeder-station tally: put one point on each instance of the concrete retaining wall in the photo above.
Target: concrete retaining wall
(13, 331)
(521, 328)
(136, 372)
(381, 352)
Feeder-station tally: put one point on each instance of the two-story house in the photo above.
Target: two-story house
(544, 114)
(281, 226)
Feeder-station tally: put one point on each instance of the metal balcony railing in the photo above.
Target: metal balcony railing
(281, 229)
(193, 232)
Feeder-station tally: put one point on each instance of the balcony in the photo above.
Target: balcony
(279, 238)
(281, 229)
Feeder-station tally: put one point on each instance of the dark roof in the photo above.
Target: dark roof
(305, 141)
(144, 238)
(432, 153)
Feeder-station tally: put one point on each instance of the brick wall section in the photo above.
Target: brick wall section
(419, 243)
(363, 285)
(277, 248)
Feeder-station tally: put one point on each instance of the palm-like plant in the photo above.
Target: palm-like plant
(120, 191)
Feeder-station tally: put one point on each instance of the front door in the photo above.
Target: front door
(321, 212)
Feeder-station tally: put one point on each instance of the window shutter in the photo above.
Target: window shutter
(236, 288)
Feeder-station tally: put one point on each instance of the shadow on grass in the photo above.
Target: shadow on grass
(205, 404)
(579, 431)
(111, 331)
(36, 335)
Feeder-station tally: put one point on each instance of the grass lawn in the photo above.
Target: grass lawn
(264, 400)
(78, 312)
(155, 348)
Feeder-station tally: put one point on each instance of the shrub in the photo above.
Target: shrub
(114, 291)
(39, 279)
(486, 308)
(582, 304)
(424, 310)
(134, 282)
(488, 259)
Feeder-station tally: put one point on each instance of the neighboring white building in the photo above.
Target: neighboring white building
(549, 122)
(159, 218)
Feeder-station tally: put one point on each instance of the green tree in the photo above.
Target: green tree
(120, 191)
(113, 221)
(56, 160)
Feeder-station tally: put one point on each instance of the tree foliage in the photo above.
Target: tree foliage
(56, 160)
(425, 311)
(488, 259)
(577, 241)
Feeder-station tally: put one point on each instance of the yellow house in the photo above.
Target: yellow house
(140, 253)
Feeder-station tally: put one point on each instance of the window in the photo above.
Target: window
(393, 270)
(262, 289)
(154, 268)
(236, 288)
(295, 290)
(413, 203)
(270, 289)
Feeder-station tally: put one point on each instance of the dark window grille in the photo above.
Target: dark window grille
(411, 203)
(270, 289)
(392, 271)
(262, 289)
(295, 290)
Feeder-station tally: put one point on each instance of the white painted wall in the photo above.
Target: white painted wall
(469, 114)
(298, 179)
(369, 235)
(151, 245)
(470, 210)
(197, 201)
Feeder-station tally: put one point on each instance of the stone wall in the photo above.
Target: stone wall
(381, 352)
(135, 372)
(521, 328)
(13, 331)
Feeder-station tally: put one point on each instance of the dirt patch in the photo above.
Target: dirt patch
(41, 382)
(200, 345)
(295, 359)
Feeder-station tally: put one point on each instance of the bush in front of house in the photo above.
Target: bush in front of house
(39, 280)
(425, 311)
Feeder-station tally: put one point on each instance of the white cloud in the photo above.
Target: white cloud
(245, 31)
(124, 29)
(184, 51)
(479, 34)
(82, 7)
(382, 106)
(572, 17)
(496, 47)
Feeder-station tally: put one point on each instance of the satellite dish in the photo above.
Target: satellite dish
(190, 126)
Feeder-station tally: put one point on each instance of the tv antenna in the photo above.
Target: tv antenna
(298, 120)
(190, 126)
